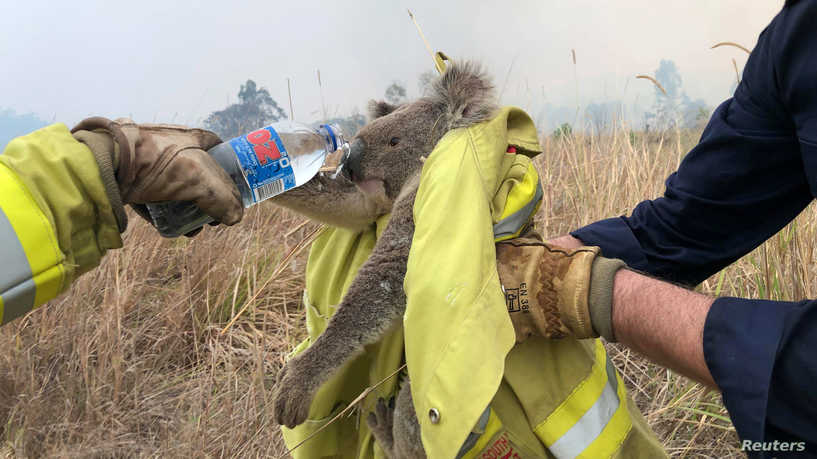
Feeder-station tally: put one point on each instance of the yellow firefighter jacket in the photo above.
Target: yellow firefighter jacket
(475, 393)
(55, 219)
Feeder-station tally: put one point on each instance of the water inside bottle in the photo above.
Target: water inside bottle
(309, 153)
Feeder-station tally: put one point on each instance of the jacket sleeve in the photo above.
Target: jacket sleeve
(740, 185)
(55, 219)
(745, 180)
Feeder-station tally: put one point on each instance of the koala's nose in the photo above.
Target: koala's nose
(352, 167)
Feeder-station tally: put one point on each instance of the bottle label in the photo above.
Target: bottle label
(265, 163)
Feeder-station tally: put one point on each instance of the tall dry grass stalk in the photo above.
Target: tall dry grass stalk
(732, 44)
(131, 362)
(654, 81)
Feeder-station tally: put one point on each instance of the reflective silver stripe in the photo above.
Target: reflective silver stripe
(512, 223)
(589, 426)
(18, 301)
(17, 287)
(477, 432)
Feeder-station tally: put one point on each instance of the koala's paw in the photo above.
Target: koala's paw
(293, 396)
(381, 423)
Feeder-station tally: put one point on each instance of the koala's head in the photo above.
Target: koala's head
(391, 148)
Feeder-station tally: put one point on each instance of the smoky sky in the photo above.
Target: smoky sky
(175, 61)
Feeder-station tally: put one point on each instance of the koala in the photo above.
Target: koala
(382, 175)
(395, 427)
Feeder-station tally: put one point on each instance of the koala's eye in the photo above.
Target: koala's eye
(394, 141)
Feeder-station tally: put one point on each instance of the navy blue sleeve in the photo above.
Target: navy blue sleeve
(752, 172)
(762, 357)
(740, 185)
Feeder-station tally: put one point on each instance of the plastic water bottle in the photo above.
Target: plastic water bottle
(262, 164)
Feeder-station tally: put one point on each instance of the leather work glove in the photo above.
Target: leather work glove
(146, 163)
(555, 292)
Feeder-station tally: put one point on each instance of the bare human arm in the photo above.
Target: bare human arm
(659, 320)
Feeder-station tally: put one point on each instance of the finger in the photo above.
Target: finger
(195, 176)
(208, 185)
(206, 139)
(220, 198)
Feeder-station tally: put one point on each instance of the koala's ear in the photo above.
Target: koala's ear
(378, 108)
(464, 94)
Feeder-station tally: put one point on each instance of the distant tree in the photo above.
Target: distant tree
(563, 131)
(633, 137)
(255, 109)
(675, 108)
(551, 117)
(602, 116)
(667, 108)
(395, 93)
(15, 125)
(695, 113)
(424, 82)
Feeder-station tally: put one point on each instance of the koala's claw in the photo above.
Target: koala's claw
(292, 400)
(381, 423)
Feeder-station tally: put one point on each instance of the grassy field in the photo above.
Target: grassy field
(131, 361)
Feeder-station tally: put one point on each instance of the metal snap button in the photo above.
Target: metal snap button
(434, 416)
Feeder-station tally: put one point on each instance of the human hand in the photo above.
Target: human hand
(548, 287)
(160, 162)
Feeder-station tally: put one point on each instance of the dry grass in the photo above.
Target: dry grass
(131, 362)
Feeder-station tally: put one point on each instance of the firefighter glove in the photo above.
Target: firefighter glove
(555, 292)
(146, 163)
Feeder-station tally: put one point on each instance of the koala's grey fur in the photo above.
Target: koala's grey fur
(385, 179)
(396, 428)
